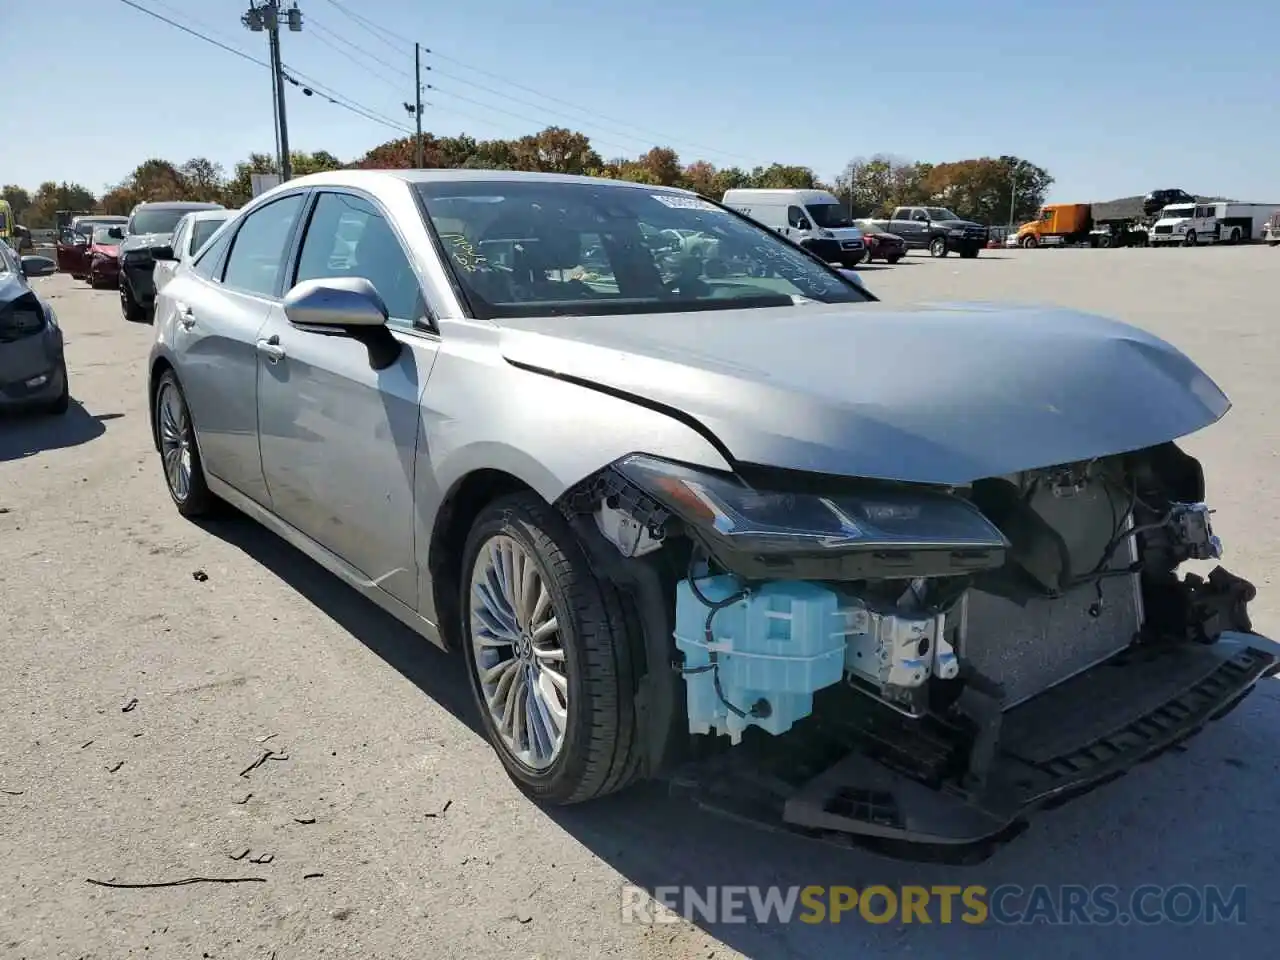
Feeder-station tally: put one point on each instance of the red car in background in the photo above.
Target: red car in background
(72, 250)
(880, 244)
(102, 256)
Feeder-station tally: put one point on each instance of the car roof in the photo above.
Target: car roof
(215, 213)
(176, 205)
(357, 178)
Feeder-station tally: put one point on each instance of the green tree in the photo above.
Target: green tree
(18, 199)
(203, 180)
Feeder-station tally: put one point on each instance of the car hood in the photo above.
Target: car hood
(143, 241)
(957, 224)
(943, 394)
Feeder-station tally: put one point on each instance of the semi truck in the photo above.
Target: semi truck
(1116, 223)
(1218, 221)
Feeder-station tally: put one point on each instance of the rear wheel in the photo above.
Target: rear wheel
(550, 659)
(938, 247)
(179, 455)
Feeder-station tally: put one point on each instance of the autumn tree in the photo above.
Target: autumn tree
(51, 197)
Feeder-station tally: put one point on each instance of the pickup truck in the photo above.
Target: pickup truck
(935, 229)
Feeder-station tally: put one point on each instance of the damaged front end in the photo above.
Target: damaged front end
(895, 663)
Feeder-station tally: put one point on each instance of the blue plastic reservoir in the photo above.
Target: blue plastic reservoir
(773, 650)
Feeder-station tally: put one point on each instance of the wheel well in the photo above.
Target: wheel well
(157, 371)
(453, 522)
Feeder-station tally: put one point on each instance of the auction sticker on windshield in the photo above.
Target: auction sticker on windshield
(684, 203)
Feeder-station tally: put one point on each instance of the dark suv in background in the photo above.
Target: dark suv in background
(150, 225)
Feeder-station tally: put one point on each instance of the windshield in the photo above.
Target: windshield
(202, 230)
(940, 213)
(543, 248)
(102, 235)
(1179, 212)
(829, 215)
(162, 220)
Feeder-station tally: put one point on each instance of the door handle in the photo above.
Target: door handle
(271, 347)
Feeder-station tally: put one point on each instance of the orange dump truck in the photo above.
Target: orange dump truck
(1058, 223)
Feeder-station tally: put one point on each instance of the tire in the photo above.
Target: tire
(600, 748)
(175, 432)
(893, 258)
(938, 247)
(1190, 239)
(970, 253)
(1237, 235)
(1029, 242)
(1273, 243)
(62, 404)
(129, 307)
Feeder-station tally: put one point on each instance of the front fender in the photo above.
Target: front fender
(480, 413)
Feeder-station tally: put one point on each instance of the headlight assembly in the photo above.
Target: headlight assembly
(890, 532)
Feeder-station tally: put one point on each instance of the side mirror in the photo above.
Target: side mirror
(853, 277)
(804, 225)
(346, 306)
(162, 252)
(116, 233)
(38, 267)
(337, 303)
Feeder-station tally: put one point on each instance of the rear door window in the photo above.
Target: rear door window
(256, 261)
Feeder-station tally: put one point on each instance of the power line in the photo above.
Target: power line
(546, 96)
(518, 116)
(331, 39)
(373, 71)
(399, 43)
(326, 93)
(372, 27)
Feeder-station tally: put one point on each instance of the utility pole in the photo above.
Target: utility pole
(416, 107)
(266, 15)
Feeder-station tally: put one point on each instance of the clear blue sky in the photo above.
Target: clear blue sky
(1114, 97)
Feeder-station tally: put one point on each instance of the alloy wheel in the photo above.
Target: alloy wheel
(175, 444)
(519, 658)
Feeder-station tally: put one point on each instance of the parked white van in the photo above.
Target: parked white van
(802, 215)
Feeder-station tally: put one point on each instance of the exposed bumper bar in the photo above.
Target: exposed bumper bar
(1067, 741)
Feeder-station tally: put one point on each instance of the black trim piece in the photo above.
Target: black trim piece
(678, 415)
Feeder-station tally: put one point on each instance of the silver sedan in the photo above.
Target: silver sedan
(657, 496)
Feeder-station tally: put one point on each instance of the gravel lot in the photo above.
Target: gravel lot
(135, 694)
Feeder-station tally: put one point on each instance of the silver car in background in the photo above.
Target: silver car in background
(192, 232)
(904, 574)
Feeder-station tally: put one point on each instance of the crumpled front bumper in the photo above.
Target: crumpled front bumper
(1071, 739)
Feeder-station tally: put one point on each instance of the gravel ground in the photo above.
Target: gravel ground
(137, 693)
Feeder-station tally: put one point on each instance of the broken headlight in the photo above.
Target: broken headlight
(892, 528)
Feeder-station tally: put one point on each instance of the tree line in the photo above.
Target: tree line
(986, 189)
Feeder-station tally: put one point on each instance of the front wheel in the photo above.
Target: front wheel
(179, 455)
(62, 404)
(129, 307)
(893, 258)
(551, 662)
(970, 253)
(1190, 239)
(938, 247)
(1030, 242)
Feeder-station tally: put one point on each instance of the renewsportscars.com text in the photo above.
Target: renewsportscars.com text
(1009, 904)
